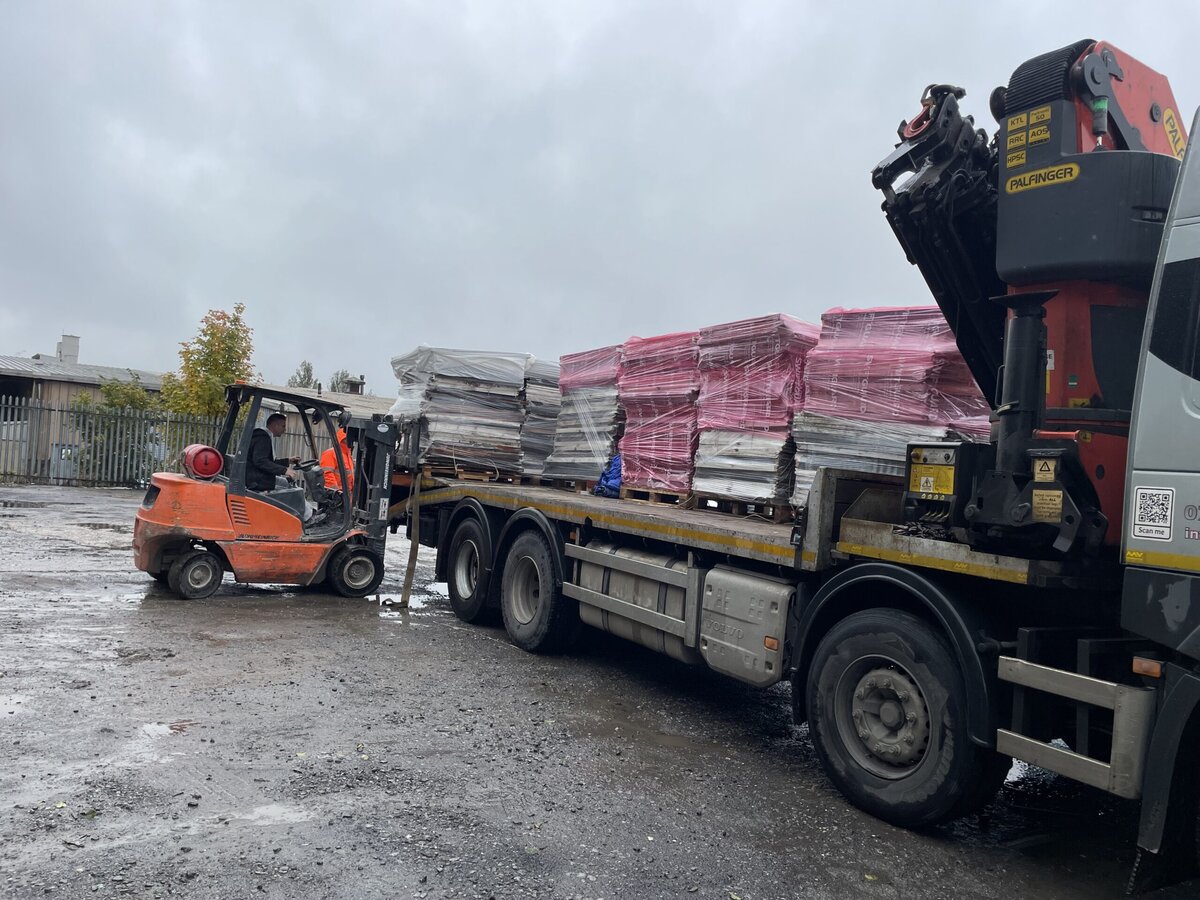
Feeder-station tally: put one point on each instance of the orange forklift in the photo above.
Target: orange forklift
(193, 527)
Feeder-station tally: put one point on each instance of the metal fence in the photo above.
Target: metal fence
(80, 446)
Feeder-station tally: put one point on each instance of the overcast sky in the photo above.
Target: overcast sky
(539, 176)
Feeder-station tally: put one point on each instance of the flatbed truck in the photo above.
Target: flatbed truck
(1035, 597)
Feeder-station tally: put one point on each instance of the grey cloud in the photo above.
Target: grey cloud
(521, 175)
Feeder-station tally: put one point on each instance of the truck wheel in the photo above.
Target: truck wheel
(468, 597)
(888, 717)
(537, 616)
(355, 571)
(195, 575)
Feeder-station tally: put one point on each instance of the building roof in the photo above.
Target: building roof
(75, 373)
(358, 404)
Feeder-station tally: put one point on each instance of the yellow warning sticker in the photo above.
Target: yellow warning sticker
(1045, 469)
(1174, 133)
(1020, 121)
(931, 479)
(1047, 506)
(1016, 139)
(1039, 134)
(1039, 115)
(1015, 159)
(1041, 178)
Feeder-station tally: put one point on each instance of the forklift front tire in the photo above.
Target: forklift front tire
(355, 571)
(195, 575)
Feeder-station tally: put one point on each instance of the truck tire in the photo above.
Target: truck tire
(468, 596)
(195, 575)
(888, 717)
(354, 571)
(537, 616)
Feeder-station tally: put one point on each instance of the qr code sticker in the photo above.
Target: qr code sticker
(1152, 513)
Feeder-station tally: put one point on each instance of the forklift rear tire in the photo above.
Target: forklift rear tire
(887, 713)
(355, 571)
(195, 575)
(468, 594)
(537, 616)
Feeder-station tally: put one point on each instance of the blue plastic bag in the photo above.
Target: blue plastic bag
(609, 484)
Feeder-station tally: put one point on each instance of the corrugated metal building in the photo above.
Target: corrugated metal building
(57, 380)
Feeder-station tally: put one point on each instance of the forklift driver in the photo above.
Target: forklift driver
(261, 464)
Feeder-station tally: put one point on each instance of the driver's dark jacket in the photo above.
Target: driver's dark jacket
(261, 464)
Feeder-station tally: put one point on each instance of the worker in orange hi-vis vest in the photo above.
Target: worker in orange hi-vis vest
(333, 479)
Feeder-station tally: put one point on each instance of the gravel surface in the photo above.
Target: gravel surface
(279, 742)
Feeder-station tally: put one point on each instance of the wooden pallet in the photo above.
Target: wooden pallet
(574, 485)
(777, 513)
(536, 481)
(647, 495)
(460, 474)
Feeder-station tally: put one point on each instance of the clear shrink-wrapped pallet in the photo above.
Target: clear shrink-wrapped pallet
(585, 434)
(542, 404)
(658, 386)
(469, 406)
(861, 446)
(890, 365)
(752, 467)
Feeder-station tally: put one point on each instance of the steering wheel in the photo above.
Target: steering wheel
(306, 464)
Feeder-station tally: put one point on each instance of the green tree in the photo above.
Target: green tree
(218, 355)
(130, 394)
(337, 381)
(304, 376)
(118, 432)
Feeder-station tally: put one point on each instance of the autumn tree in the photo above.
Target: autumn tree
(337, 381)
(303, 377)
(218, 355)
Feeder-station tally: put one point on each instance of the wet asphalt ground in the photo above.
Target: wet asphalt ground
(277, 742)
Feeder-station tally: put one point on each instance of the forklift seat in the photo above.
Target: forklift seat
(290, 499)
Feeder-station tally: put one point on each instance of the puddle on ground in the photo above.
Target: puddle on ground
(104, 526)
(165, 729)
(274, 814)
(391, 602)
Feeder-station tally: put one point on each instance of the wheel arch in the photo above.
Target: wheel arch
(1173, 749)
(171, 550)
(523, 520)
(885, 586)
(489, 522)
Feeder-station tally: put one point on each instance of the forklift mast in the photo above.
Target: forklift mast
(375, 443)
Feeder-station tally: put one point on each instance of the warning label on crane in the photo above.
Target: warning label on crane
(1045, 469)
(924, 479)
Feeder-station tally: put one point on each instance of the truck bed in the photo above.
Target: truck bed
(740, 537)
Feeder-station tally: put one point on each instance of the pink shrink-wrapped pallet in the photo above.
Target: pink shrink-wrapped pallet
(890, 365)
(752, 373)
(878, 380)
(659, 383)
(591, 368)
(751, 384)
(590, 419)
